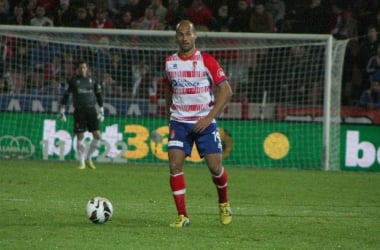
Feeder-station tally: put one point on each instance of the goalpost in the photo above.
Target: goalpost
(285, 111)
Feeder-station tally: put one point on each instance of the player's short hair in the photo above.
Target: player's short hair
(371, 26)
(81, 61)
(192, 26)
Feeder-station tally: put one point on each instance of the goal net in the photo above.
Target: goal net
(285, 110)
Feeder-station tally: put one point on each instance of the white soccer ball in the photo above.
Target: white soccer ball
(99, 210)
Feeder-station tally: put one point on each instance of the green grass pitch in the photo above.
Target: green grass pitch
(43, 207)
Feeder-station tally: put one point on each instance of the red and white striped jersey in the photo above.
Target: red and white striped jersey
(192, 78)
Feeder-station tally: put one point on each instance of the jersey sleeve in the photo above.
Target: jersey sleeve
(98, 93)
(98, 86)
(66, 94)
(217, 73)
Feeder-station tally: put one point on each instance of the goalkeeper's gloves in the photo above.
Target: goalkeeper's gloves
(61, 115)
(101, 114)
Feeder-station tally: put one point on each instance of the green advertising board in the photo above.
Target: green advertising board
(134, 139)
(144, 140)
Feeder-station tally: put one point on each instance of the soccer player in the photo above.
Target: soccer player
(86, 93)
(192, 108)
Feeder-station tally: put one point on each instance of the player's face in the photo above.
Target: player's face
(82, 69)
(375, 85)
(185, 37)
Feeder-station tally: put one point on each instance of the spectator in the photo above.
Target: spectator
(7, 6)
(350, 73)
(277, 9)
(107, 84)
(103, 58)
(315, 18)
(290, 7)
(91, 10)
(18, 17)
(20, 66)
(141, 80)
(221, 19)
(30, 8)
(48, 5)
(68, 64)
(364, 11)
(293, 82)
(4, 14)
(101, 4)
(64, 14)
(54, 76)
(370, 98)
(261, 21)
(40, 19)
(241, 17)
(377, 22)
(125, 20)
(373, 65)
(137, 8)
(118, 73)
(82, 20)
(116, 8)
(5, 57)
(102, 21)
(149, 21)
(159, 9)
(42, 54)
(3, 84)
(176, 12)
(367, 48)
(339, 26)
(200, 15)
(109, 76)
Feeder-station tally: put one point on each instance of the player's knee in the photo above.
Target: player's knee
(215, 170)
(175, 168)
(96, 135)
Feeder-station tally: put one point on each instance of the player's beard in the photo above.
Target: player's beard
(186, 49)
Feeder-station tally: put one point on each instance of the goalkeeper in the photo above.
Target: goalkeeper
(85, 94)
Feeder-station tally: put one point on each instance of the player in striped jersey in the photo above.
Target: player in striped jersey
(192, 107)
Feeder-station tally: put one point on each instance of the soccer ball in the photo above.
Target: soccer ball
(99, 210)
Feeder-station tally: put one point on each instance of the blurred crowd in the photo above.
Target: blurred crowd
(343, 18)
(357, 20)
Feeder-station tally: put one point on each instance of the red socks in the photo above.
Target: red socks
(178, 186)
(221, 183)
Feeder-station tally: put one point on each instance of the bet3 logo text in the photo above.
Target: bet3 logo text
(363, 154)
